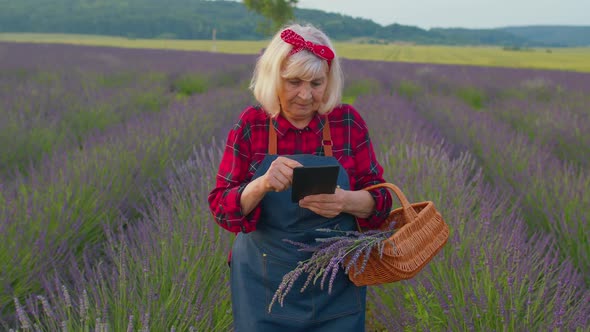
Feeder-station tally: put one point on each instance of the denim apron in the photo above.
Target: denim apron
(261, 258)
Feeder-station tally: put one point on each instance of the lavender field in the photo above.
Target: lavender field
(107, 156)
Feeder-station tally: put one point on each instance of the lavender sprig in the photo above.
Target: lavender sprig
(329, 255)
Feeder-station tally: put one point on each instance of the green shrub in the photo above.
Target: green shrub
(408, 89)
(472, 97)
(360, 88)
(188, 85)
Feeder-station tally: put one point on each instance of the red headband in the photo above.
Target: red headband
(293, 38)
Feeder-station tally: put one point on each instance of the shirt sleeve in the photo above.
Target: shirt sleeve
(369, 172)
(232, 178)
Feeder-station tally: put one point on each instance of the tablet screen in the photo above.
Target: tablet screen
(313, 180)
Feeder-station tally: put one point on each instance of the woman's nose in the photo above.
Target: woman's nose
(305, 91)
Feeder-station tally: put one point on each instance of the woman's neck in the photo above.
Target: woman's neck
(299, 123)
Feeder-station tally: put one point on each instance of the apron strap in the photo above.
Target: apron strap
(272, 137)
(326, 138)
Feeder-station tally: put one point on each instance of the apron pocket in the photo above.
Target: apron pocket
(296, 306)
(345, 298)
(314, 304)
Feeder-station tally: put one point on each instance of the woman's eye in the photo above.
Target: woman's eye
(294, 82)
(316, 83)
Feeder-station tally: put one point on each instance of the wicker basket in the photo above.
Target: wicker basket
(420, 234)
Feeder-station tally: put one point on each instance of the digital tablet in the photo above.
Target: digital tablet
(313, 180)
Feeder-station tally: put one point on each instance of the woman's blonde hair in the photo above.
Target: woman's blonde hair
(275, 64)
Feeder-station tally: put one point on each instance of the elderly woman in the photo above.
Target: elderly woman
(299, 122)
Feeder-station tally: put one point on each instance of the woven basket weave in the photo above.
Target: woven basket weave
(420, 234)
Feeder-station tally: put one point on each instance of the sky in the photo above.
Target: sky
(471, 14)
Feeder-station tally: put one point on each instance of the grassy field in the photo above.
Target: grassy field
(571, 59)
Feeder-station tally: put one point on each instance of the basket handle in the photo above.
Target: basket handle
(409, 212)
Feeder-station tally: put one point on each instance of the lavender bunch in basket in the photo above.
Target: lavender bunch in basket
(345, 250)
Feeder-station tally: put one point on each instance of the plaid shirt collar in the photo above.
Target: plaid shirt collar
(282, 125)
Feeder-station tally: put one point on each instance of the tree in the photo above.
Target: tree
(276, 13)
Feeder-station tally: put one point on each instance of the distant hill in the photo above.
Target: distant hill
(197, 19)
(554, 35)
(459, 36)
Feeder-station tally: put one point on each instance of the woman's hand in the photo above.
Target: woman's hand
(358, 203)
(279, 175)
(326, 205)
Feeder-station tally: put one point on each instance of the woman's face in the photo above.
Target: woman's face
(300, 98)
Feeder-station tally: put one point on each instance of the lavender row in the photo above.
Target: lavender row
(407, 164)
(548, 106)
(111, 59)
(61, 207)
(392, 119)
(561, 124)
(18, 56)
(48, 111)
(164, 272)
(55, 107)
(499, 287)
(491, 274)
(552, 193)
(446, 78)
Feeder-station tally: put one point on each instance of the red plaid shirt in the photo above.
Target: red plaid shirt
(247, 145)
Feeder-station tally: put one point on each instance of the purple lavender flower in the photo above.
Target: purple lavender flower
(330, 255)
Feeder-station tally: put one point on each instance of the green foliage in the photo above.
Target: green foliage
(276, 12)
(238, 76)
(116, 80)
(339, 27)
(479, 37)
(133, 18)
(541, 89)
(360, 88)
(408, 89)
(538, 89)
(32, 144)
(408, 33)
(150, 101)
(472, 97)
(190, 84)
